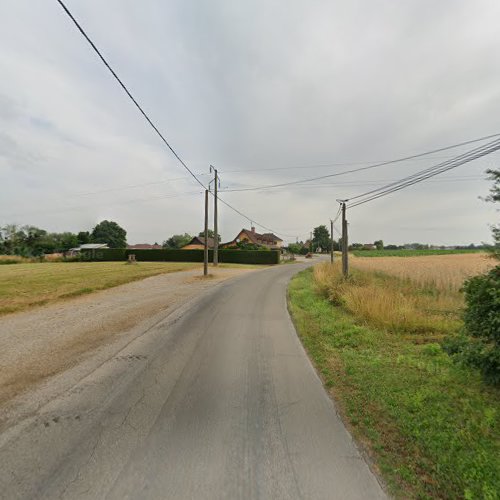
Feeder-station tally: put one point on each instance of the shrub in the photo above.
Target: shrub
(175, 255)
(482, 323)
(104, 254)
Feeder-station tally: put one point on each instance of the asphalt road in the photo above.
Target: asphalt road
(220, 402)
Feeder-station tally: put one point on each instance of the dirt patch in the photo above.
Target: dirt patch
(37, 344)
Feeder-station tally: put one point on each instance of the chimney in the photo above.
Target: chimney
(253, 229)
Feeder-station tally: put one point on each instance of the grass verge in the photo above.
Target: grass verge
(430, 426)
(26, 285)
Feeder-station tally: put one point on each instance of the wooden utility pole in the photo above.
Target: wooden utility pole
(331, 241)
(216, 232)
(345, 243)
(205, 249)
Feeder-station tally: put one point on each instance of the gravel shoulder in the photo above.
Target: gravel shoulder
(50, 348)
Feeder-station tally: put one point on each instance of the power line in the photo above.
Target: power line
(131, 97)
(371, 183)
(426, 174)
(138, 106)
(432, 168)
(389, 162)
(319, 165)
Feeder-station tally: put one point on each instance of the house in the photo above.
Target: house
(268, 240)
(198, 243)
(144, 246)
(86, 246)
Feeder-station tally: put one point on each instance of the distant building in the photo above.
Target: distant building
(87, 246)
(268, 240)
(144, 246)
(198, 243)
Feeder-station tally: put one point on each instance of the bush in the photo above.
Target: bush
(482, 323)
(175, 255)
(249, 256)
(105, 254)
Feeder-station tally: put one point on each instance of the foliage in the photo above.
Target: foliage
(379, 244)
(31, 241)
(109, 232)
(494, 197)
(211, 234)
(295, 248)
(83, 237)
(246, 245)
(411, 252)
(430, 425)
(177, 255)
(321, 238)
(482, 323)
(177, 241)
(480, 346)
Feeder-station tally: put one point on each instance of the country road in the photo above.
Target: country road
(219, 403)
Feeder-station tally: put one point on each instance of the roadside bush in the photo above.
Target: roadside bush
(104, 254)
(174, 255)
(481, 346)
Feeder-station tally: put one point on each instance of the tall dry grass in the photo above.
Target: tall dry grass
(13, 259)
(389, 302)
(445, 273)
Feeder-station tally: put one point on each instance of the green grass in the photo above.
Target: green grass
(26, 285)
(430, 426)
(410, 253)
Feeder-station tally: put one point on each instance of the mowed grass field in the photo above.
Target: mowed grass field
(26, 285)
(431, 426)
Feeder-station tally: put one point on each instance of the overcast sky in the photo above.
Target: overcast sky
(267, 91)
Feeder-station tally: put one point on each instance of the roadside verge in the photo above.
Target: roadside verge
(429, 426)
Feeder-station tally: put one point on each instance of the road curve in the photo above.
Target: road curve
(221, 404)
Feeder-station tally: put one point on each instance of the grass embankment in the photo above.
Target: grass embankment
(411, 253)
(26, 285)
(430, 426)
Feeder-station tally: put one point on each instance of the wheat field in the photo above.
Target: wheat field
(444, 272)
(418, 295)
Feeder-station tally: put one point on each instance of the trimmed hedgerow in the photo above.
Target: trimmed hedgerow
(249, 256)
(175, 255)
(104, 254)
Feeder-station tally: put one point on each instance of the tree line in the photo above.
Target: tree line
(32, 241)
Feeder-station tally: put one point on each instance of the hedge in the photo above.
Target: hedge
(174, 255)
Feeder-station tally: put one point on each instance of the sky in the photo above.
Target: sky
(268, 92)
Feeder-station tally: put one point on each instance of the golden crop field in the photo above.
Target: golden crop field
(445, 272)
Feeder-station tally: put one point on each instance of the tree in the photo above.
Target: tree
(111, 233)
(480, 346)
(379, 244)
(494, 197)
(177, 241)
(211, 234)
(83, 237)
(294, 248)
(321, 238)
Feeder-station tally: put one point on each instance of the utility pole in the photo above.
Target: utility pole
(310, 242)
(345, 243)
(331, 241)
(216, 225)
(205, 249)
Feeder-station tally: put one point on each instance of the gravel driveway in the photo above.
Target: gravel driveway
(77, 335)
